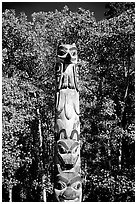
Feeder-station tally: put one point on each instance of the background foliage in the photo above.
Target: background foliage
(106, 52)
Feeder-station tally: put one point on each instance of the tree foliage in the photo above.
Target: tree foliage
(106, 52)
(117, 8)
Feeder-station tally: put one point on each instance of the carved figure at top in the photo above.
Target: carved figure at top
(66, 69)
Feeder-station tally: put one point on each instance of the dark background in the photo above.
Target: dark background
(30, 7)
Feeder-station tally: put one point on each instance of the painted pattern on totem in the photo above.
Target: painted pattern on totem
(67, 111)
(68, 185)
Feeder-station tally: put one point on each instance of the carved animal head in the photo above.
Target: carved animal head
(67, 53)
(68, 153)
(68, 186)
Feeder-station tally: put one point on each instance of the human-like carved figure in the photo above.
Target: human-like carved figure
(68, 186)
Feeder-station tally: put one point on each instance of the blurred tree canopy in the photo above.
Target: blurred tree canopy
(106, 51)
(116, 8)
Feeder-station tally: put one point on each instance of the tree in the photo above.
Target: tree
(15, 128)
(114, 9)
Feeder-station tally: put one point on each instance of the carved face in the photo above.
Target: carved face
(68, 187)
(67, 53)
(68, 152)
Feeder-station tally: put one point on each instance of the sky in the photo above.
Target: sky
(30, 7)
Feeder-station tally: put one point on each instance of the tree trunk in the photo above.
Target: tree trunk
(10, 190)
(10, 194)
(120, 150)
(123, 123)
(44, 188)
(67, 127)
(41, 155)
(39, 128)
(109, 154)
(108, 128)
(120, 155)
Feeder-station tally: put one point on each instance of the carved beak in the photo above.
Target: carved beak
(68, 59)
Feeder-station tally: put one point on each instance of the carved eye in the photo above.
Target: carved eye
(61, 149)
(77, 186)
(74, 54)
(75, 150)
(60, 185)
(61, 52)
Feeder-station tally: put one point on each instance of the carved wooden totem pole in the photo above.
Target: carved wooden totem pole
(68, 182)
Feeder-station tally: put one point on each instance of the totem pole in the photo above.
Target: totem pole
(68, 182)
